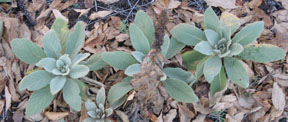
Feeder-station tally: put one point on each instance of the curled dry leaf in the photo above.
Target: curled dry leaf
(170, 116)
(99, 14)
(226, 4)
(56, 115)
(278, 97)
(108, 1)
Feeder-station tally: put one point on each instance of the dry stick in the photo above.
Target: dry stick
(131, 11)
(89, 80)
(96, 5)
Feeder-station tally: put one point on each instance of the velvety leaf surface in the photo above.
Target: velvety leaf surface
(133, 69)
(179, 74)
(262, 53)
(78, 71)
(212, 36)
(174, 48)
(61, 28)
(47, 63)
(180, 90)
(138, 39)
(212, 67)
(236, 72)
(76, 40)
(71, 93)
(36, 80)
(219, 82)
(249, 33)
(57, 84)
(27, 51)
(38, 101)
(191, 59)
(146, 25)
(211, 20)
(101, 96)
(118, 59)
(188, 34)
(139, 56)
(118, 91)
(51, 44)
(95, 62)
(204, 47)
(231, 21)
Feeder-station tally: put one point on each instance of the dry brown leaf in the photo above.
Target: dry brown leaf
(8, 99)
(284, 3)
(82, 11)
(122, 37)
(122, 115)
(108, 1)
(278, 97)
(18, 115)
(174, 4)
(281, 16)
(254, 3)
(99, 14)
(58, 14)
(2, 103)
(246, 101)
(281, 36)
(170, 116)
(56, 115)
(185, 114)
(89, 3)
(200, 118)
(226, 4)
(281, 79)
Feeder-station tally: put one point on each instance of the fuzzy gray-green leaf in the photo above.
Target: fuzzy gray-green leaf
(249, 33)
(219, 82)
(138, 39)
(262, 53)
(145, 23)
(118, 92)
(191, 59)
(212, 68)
(231, 21)
(236, 49)
(174, 48)
(79, 57)
(180, 90)
(133, 69)
(57, 84)
(236, 72)
(211, 20)
(212, 36)
(1, 28)
(78, 71)
(101, 96)
(36, 80)
(179, 74)
(27, 51)
(71, 95)
(118, 59)
(76, 40)
(51, 44)
(90, 106)
(39, 100)
(204, 47)
(62, 31)
(188, 34)
(47, 63)
(95, 62)
(139, 56)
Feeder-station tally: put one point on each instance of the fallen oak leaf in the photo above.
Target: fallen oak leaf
(278, 97)
(56, 115)
(99, 14)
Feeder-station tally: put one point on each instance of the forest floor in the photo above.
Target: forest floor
(107, 30)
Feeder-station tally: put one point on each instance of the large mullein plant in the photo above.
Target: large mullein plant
(219, 49)
(142, 37)
(61, 65)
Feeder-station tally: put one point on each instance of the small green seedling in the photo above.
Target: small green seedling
(142, 37)
(97, 112)
(61, 63)
(218, 50)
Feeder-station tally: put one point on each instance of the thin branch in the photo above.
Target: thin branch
(89, 80)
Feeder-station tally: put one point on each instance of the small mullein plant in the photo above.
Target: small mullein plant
(61, 63)
(142, 37)
(219, 49)
(97, 112)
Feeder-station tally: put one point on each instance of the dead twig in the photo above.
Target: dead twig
(89, 80)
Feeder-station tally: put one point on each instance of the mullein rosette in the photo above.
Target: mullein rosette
(61, 63)
(142, 37)
(97, 112)
(220, 49)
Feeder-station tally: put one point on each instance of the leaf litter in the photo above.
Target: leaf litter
(107, 21)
